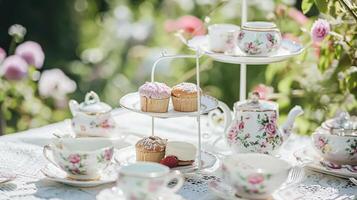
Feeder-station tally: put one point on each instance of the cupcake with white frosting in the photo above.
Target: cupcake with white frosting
(154, 97)
(184, 97)
(151, 149)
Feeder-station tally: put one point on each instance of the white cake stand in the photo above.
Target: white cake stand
(199, 45)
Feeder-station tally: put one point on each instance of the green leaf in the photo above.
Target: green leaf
(306, 5)
(321, 5)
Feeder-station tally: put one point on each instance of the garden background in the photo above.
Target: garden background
(109, 46)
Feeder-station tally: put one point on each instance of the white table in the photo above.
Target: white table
(31, 185)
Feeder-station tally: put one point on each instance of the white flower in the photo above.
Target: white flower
(54, 83)
(17, 31)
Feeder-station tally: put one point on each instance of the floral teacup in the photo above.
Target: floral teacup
(336, 148)
(222, 37)
(253, 175)
(259, 38)
(147, 180)
(80, 158)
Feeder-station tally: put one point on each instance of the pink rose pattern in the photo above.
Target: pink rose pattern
(253, 183)
(268, 137)
(75, 165)
(106, 156)
(257, 46)
(104, 124)
(322, 144)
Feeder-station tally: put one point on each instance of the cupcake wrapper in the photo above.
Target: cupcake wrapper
(154, 105)
(184, 104)
(149, 156)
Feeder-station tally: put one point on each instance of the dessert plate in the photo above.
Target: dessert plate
(128, 155)
(116, 194)
(131, 102)
(53, 173)
(287, 50)
(316, 163)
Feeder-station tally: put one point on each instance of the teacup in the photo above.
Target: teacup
(339, 149)
(259, 38)
(254, 175)
(81, 158)
(146, 180)
(223, 37)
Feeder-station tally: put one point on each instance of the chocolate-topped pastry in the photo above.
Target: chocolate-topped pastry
(184, 97)
(151, 149)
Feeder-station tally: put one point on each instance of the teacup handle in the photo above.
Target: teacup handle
(47, 148)
(180, 181)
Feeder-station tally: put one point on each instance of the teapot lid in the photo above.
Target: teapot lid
(93, 105)
(342, 124)
(254, 104)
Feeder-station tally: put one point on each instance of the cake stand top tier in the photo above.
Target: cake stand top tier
(287, 50)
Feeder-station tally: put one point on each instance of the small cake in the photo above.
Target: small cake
(184, 97)
(151, 149)
(179, 154)
(154, 97)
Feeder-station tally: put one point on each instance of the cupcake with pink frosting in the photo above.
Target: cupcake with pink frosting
(154, 97)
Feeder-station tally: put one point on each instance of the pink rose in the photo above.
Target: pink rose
(2, 54)
(298, 16)
(108, 154)
(190, 24)
(255, 179)
(270, 129)
(14, 68)
(320, 143)
(32, 53)
(74, 158)
(241, 125)
(320, 29)
(232, 135)
(264, 91)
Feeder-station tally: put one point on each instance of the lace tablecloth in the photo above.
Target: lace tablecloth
(21, 154)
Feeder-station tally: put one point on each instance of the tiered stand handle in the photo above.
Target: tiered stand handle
(243, 67)
(197, 57)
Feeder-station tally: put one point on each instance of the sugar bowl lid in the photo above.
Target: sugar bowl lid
(343, 124)
(93, 105)
(254, 104)
(259, 25)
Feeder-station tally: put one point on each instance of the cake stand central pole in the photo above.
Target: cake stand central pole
(198, 108)
(243, 67)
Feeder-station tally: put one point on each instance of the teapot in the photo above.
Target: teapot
(254, 125)
(91, 118)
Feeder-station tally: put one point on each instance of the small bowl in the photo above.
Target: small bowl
(254, 175)
(339, 149)
(259, 38)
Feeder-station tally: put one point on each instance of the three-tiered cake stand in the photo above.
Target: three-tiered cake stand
(207, 103)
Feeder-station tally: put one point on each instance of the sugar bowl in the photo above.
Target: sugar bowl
(91, 117)
(336, 139)
(259, 38)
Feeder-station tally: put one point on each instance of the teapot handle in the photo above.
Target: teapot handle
(227, 115)
(91, 98)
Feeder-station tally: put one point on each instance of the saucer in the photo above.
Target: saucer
(224, 191)
(128, 155)
(53, 173)
(287, 50)
(317, 163)
(116, 194)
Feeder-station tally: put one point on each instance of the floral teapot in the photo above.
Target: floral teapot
(254, 127)
(91, 117)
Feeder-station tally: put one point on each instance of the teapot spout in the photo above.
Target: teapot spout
(288, 125)
(73, 107)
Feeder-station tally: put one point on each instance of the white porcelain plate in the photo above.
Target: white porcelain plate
(287, 50)
(317, 163)
(131, 102)
(116, 194)
(128, 155)
(53, 173)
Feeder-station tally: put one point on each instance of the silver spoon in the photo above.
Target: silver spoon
(353, 180)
